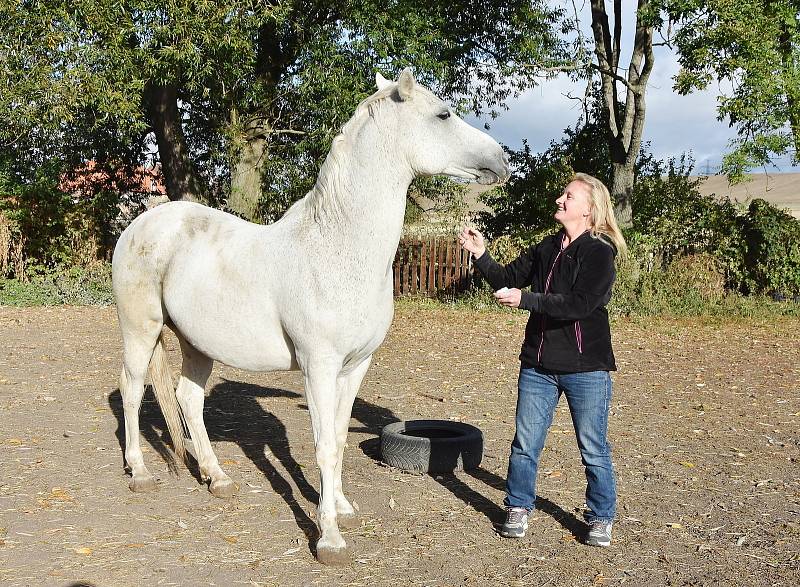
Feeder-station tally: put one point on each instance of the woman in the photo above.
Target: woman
(567, 347)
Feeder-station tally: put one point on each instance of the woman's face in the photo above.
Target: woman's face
(574, 204)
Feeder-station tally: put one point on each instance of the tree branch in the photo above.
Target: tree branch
(602, 51)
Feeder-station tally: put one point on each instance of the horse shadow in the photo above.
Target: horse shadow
(233, 414)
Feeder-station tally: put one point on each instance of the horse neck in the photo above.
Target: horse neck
(370, 184)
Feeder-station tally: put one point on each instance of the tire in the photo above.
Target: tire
(431, 446)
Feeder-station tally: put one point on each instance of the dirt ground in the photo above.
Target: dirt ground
(705, 426)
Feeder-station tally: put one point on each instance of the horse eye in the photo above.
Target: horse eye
(444, 115)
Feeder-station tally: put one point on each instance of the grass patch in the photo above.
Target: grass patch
(653, 297)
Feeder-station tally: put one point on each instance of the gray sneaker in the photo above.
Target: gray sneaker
(516, 523)
(599, 533)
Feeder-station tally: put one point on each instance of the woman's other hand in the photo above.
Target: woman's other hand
(508, 297)
(472, 240)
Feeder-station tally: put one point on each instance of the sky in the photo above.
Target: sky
(674, 124)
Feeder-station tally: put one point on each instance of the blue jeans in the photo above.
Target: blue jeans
(588, 397)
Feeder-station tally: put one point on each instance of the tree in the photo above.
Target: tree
(237, 95)
(525, 205)
(753, 47)
(624, 118)
(623, 89)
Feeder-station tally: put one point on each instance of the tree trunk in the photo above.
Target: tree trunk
(622, 192)
(247, 171)
(180, 177)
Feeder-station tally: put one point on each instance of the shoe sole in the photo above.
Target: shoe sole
(506, 534)
(596, 543)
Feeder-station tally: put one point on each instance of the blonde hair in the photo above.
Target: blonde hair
(602, 213)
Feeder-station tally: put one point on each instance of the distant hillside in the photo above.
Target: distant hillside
(780, 189)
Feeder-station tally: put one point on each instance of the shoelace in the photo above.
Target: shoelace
(516, 516)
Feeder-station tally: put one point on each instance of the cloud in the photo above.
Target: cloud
(674, 124)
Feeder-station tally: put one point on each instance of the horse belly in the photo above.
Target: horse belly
(253, 343)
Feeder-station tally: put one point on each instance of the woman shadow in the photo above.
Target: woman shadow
(233, 414)
(373, 418)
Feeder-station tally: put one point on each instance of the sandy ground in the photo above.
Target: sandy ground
(705, 425)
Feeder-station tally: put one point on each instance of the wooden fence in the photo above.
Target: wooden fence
(431, 266)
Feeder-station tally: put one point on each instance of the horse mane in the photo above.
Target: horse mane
(324, 201)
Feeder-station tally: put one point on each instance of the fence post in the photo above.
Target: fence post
(397, 258)
(425, 266)
(414, 266)
(421, 270)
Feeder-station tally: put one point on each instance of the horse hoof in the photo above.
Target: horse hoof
(333, 556)
(348, 521)
(142, 484)
(224, 488)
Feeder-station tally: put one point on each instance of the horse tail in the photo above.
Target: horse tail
(161, 378)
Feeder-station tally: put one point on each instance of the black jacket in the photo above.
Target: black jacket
(568, 330)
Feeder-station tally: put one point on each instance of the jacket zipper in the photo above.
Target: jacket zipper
(544, 317)
(579, 336)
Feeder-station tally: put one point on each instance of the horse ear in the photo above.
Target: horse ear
(381, 81)
(405, 84)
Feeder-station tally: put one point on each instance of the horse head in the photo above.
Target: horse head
(435, 141)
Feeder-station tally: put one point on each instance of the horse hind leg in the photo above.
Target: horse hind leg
(138, 349)
(195, 371)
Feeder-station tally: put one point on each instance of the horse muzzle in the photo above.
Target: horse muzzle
(498, 175)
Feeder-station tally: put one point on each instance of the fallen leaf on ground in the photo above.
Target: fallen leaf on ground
(59, 493)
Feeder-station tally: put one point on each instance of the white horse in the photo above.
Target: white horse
(312, 291)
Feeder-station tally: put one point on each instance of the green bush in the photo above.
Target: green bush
(79, 286)
(691, 254)
(688, 286)
(771, 263)
(757, 248)
(37, 212)
(677, 220)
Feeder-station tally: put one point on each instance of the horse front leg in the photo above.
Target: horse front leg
(320, 385)
(347, 387)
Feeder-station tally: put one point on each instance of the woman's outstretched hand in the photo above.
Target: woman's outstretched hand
(508, 297)
(472, 240)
